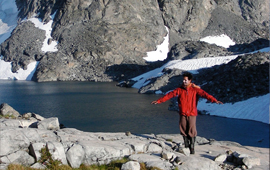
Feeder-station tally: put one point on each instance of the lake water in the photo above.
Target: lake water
(104, 107)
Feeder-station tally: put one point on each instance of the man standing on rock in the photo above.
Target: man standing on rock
(187, 103)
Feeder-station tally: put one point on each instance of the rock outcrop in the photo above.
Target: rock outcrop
(97, 40)
(22, 145)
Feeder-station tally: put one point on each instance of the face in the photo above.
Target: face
(186, 81)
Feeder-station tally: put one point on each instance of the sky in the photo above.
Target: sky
(256, 108)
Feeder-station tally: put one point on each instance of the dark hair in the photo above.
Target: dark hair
(188, 75)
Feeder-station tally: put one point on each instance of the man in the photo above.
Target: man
(187, 103)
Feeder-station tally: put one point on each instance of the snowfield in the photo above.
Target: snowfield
(253, 109)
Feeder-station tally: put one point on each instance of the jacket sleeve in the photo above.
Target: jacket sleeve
(205, 95)
(168, 96)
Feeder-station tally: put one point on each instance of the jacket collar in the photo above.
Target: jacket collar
(186, 88)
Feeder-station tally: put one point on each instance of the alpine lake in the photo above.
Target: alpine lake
(104, 107)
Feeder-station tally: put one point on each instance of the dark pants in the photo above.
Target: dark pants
(187, 125)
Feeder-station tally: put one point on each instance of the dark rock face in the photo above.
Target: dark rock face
(186, 19)
(236, 27)
(93, 35)
(243, 21)
(21, 50)
(196, 49)
(96, 38)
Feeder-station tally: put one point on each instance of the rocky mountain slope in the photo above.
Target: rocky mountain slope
(107, 40)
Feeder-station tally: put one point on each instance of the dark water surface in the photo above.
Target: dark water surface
(103, 107)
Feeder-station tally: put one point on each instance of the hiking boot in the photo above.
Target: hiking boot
(186, 141)
(192, 145)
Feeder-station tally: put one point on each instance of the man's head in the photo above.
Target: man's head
(187, 78)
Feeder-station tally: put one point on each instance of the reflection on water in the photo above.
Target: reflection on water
(103, 107)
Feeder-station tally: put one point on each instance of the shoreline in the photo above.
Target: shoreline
(23, 137)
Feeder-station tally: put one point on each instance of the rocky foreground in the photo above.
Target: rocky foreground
(23, 136)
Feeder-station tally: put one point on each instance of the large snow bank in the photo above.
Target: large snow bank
(256, 108)
(6, 73)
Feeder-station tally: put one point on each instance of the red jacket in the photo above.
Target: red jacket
(187, 100)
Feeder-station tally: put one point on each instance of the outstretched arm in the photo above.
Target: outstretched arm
(154, 102)
(166, 97)
(203, 94)
(219, 102)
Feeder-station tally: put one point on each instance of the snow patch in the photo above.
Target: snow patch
(222, 40)
(48, 28)
(162, 50)
(191, 65)
(6, 73)
(256, 108)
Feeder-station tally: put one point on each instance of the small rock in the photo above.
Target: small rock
(229, 152)
(27, 115)
(21, 157)
(6, 110)
(201, 140)
(154, 148)
(185, 151)
(168, 155)
(250, 162)
(34, 150)
(131, 165)
(128, 133)
(38, 166)
(221, 158)
(38, 117)
(177, 160)
(57, 151)
(49, 124)
(75, 156)
(238, 157)
(237, 168)
(244, 167)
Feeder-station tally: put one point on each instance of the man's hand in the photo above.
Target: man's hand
(154, 102)
(219, 102)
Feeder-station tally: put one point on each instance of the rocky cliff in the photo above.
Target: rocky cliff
(107, 40)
